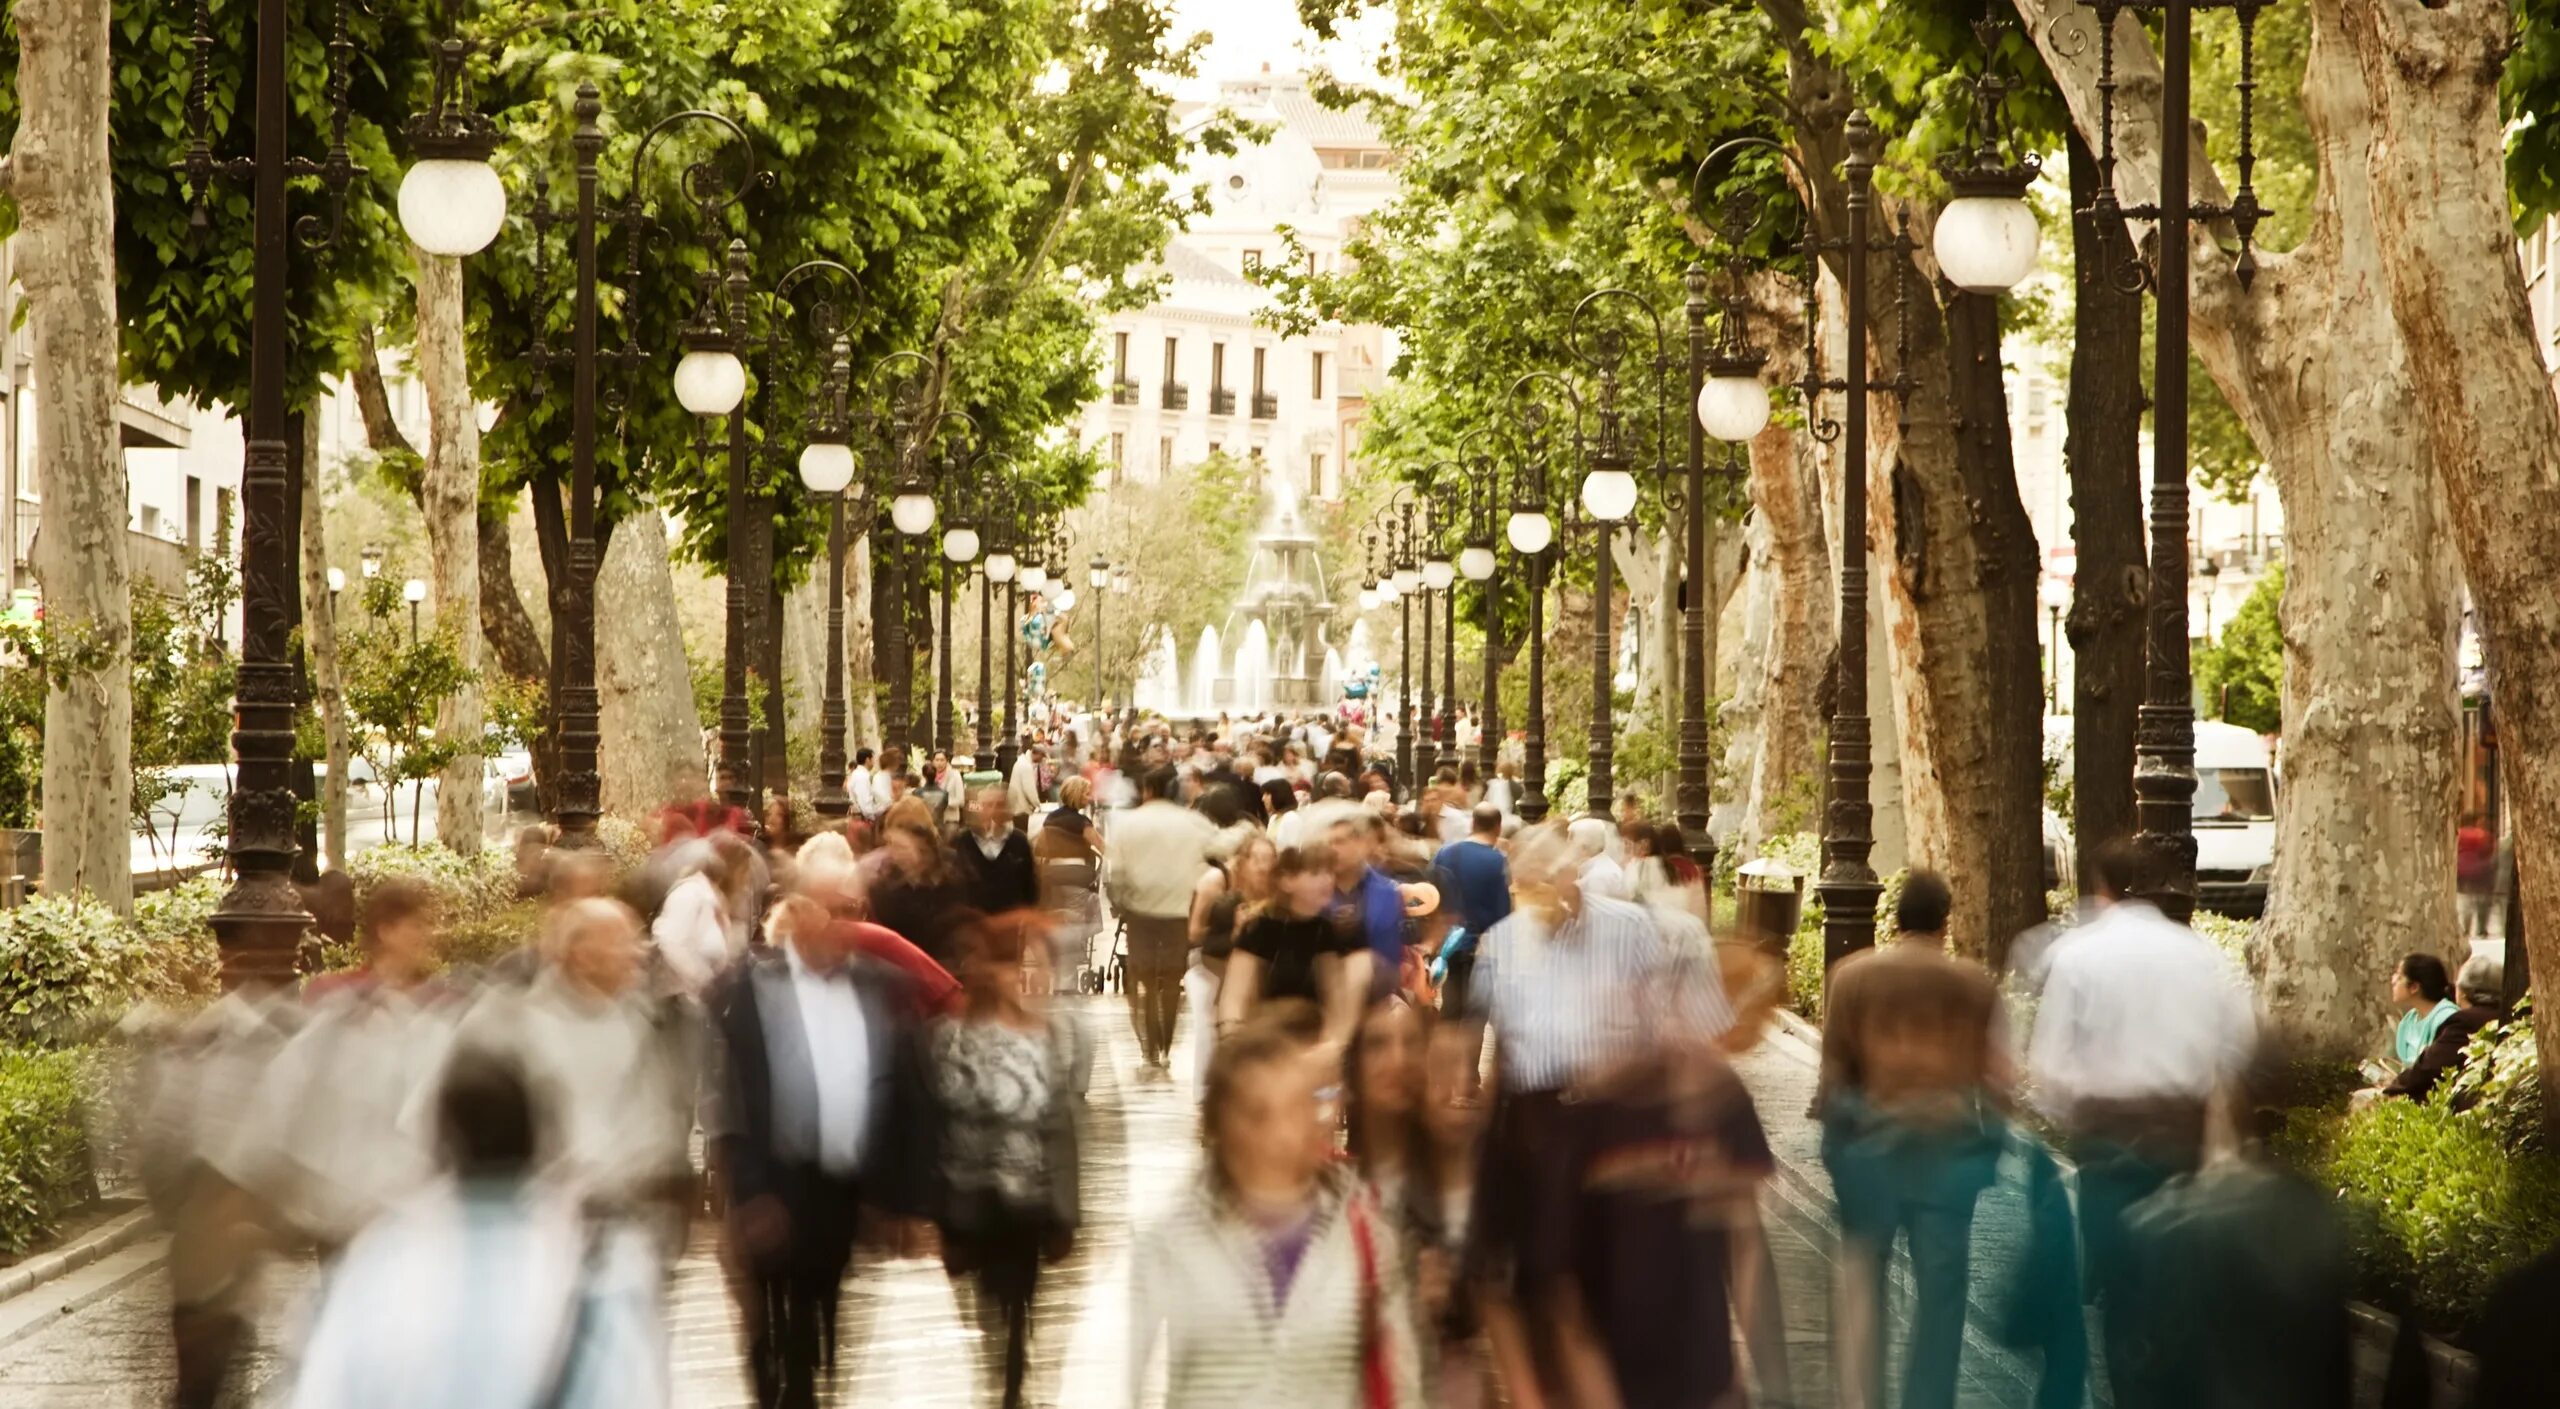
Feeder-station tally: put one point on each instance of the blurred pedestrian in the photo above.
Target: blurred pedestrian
(993, 858)
(1293, 948)
(2141, 1025)
(1911, 1134)
(614, 1069)
(1475, 888)
(2482, 989)
(1008, 1073)
(488, 1287)
(821, 1111)
(1157, 852)
(1275, 1281)
(697, 932)
(914, 888)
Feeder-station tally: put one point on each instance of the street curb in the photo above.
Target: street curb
(112, 1236)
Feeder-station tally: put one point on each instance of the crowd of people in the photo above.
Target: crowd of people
(1472, 1130)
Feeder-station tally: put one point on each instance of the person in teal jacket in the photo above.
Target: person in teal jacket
(2423, 992)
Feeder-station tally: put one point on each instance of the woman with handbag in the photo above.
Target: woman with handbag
(1276, 1281)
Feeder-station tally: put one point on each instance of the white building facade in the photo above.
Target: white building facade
(1194, 374)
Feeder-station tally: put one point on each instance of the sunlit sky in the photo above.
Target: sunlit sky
(1247, 34)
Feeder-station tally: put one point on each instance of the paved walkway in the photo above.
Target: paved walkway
(906, 1345)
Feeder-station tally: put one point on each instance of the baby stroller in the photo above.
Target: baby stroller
(1111, 973)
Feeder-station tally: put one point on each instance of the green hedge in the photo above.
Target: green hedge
(2443, 1209)
(45, 1168)
(70, 967)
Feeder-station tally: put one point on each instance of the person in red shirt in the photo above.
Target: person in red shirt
(2475, 875)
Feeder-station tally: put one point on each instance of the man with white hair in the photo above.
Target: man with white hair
(1599, 875)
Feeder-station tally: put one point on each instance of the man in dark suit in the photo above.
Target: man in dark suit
(993, 860)
(821, 1112)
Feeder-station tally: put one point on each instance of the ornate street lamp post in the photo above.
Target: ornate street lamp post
(1402, 576)
(1476, 563)
(1610, 491)
(955, 484)
(2164, 772)
(1531, 532)
(261, 921)
(1985, 241)
(1440, 574)
(827, 470)
(710, 380)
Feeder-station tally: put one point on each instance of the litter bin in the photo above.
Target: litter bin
(1768, 897)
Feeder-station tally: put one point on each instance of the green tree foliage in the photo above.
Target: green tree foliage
(2241, 676)
(182, 683)
(183, 292)
(2529, 96)
(395, 681)
(1186, 538)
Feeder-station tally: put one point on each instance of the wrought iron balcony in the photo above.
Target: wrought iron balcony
(1266, 405)
(1177, 397)
(1222, 402)
(1124, 392)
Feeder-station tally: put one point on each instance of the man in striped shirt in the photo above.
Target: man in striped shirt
(1588, 1003)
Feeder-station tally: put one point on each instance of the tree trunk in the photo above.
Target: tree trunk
(651, 749)
(2484, 398)
(320, 647)
(2004, 582)
(1943, 537)
(66, 206)
(1784, 778)
(2311, 357)
(862, 697)
(450, 499)
(2101, 445)
(504, 622)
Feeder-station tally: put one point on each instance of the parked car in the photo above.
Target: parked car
(507, 779)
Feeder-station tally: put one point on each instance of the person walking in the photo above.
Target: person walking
(1158, 849)
(1475, 885)
(1022, 790)
(1576, 987)
(1911, 1135)
(2141, 1026)
(1275, 1281)
(1292, 948)
(821, 1111)
(993, 858)
(1068, 850)
(1008, 1074)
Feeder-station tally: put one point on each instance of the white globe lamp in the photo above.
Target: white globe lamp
(1609, 495)
(452, 205)
(710, 380)
(1987, 238)
(1733, 406)
(912, 511)
(1034, 577)
(1529, 531)
(1407, 578)
(960, 543)
(1476, 561)
(826, 466)
(1438, 573)
(1000, 566)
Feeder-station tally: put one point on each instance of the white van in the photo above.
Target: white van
(2235, 813)
(2235, 819)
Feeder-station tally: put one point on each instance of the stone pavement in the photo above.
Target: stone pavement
(906, 1345)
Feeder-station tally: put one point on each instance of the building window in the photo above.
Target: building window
(1315, 475)
(195, 514)
(1172, 349)
(1252, 263)
(1119, 357)
(1315, 377)
(1119, 456)
(1265, 404)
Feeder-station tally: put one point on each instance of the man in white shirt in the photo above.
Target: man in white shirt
(1158, 851)
(1600, 875)
(869, 795)
(1022, 791)
(2141, 1026)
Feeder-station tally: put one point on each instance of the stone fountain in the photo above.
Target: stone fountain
(1279, 622)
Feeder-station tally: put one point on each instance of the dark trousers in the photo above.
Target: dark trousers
(1159, 951)
(2125, 1155)
(1000, 1259)
(795, 1292)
